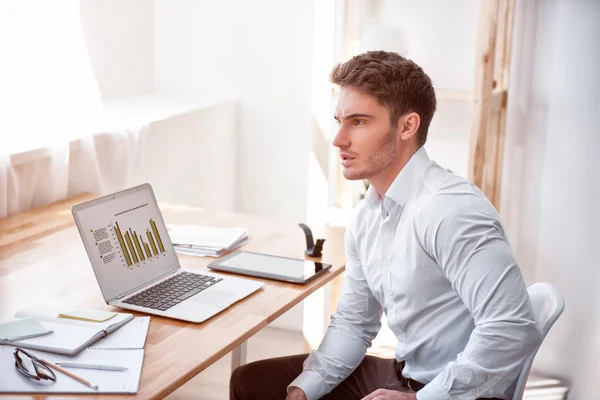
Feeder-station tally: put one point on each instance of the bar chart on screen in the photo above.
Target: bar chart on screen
(126, 240)
(129, 245)
(134, 246)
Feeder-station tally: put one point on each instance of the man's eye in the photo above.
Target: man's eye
(338, 122)
(358, 122)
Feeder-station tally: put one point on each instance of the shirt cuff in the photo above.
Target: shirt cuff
(433, 391)
(311, 383)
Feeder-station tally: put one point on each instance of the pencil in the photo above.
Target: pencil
(70, 374)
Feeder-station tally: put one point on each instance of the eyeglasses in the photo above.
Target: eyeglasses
(25, 361)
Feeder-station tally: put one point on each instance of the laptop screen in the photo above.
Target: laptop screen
(126, 240)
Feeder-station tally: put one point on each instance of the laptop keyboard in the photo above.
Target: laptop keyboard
(172, 291)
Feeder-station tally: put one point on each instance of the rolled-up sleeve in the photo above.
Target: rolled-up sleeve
(353, 327)
(467, 241)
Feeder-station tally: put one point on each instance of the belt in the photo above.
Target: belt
(413, 385)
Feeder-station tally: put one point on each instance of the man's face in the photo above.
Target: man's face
(368, 144)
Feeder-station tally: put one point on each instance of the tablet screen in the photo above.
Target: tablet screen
(270, 266)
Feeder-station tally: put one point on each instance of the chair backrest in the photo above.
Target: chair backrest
(548, 304)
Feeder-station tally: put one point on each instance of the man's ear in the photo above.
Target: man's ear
(409, 125)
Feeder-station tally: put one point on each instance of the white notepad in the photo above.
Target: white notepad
(11, 381)
(69, 336)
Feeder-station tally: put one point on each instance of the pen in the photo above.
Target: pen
(69, 374)
(91, 366)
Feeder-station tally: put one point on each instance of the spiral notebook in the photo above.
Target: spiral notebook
(69, 336)
(124, 347)
(131, 336)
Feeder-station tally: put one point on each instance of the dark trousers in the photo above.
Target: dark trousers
(269, 379)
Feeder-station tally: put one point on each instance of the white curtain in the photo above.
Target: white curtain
(50, 106)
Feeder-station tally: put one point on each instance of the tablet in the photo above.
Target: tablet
(271, 267)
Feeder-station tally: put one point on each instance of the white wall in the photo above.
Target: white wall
(190, 159)
(119, 37)
(263, 51)
(440, 36)
(187, 164)
(449, 135)
(551, 182)
(163, 154)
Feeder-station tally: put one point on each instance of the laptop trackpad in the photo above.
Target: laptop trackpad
(215, 297)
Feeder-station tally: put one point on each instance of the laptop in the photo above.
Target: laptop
(136, 266)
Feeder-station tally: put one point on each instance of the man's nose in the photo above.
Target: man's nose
(341, 139)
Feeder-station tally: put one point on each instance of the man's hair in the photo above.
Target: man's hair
(396, 82)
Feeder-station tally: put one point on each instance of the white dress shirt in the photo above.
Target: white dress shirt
(432, 255)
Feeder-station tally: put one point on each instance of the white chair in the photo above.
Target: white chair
(548, 304)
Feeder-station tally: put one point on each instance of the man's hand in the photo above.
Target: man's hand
(383, 394)
(296, 394)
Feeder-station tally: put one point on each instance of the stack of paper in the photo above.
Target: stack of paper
(205, 240)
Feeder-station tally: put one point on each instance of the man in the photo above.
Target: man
(425, 247)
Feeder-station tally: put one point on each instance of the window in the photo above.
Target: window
(48, 91)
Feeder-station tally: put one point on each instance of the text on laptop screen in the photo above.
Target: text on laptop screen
(127, 241)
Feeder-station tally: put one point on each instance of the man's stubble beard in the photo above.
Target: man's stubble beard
(384, 156)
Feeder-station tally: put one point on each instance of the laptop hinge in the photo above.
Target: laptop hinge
(150, 283)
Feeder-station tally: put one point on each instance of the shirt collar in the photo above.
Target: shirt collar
(404, 182)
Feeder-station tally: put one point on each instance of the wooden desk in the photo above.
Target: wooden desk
(43, 261)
